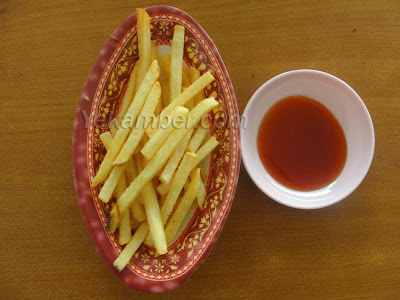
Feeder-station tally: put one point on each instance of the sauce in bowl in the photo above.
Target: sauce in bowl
(301, 144)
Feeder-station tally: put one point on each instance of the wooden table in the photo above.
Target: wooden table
(349, 250)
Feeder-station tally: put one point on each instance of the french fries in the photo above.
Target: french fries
(144, 151)
(182, 99)
(130, 171)
(117, 180)
(141, 124)
(125, 225)
(154, 56)
(144, 43)
(156, 141)
(130, 91)
(175, 158)
(201, 154)
(129, 147)
(194, 75)
(158, 161)
(106, 139)
(164, 187)
(198, 137)
(137, 211)
(110, 184)
(125, 230)
(175, 82)
(201, 194)
(179, 180)
(154, 218)
(130, 249)
(183, 207)
(205, 150)
(164, 79)
(123, 130)
(176, 187)
(185, 84)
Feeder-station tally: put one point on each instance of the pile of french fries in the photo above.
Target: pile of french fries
(154, 147)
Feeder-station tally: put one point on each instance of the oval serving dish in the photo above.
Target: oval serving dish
(98, 104)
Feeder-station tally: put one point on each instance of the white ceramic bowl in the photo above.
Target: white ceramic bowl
(346, 106)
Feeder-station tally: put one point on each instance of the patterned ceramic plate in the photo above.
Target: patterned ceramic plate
(99, 103)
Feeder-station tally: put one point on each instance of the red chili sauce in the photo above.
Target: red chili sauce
(301, 144)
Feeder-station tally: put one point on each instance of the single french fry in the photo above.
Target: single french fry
(164, 187)
(130, 170)
(202, 153)
(137, 209)
(204, 175)
(125, 226)
(179, 180)
(154, 56)
(123, 130)
(201, 194)
(106, 139)
(154, 218)
(185, 84)
(141, 124)
(194, 75)
(124, 229)
(139, 165)
(132, 246)
(164, 79)
(144, 43)
(158, 106)
(205, 150)
(181, 100)
(138, 212)
(156, 141)
(129, 92)
(157, 162)
(111, 183)
(197, 137)
(175, 76)
(186, 185)
(183, 207)
(165, 92)
(120, 187)
(116, 178)
(114, 125)
(205, 163)
(175, 158)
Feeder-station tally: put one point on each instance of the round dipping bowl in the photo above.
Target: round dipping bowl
(347, 107)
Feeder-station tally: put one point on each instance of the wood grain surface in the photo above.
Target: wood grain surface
(266, 250)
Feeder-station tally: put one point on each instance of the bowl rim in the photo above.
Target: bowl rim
(364, 112)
